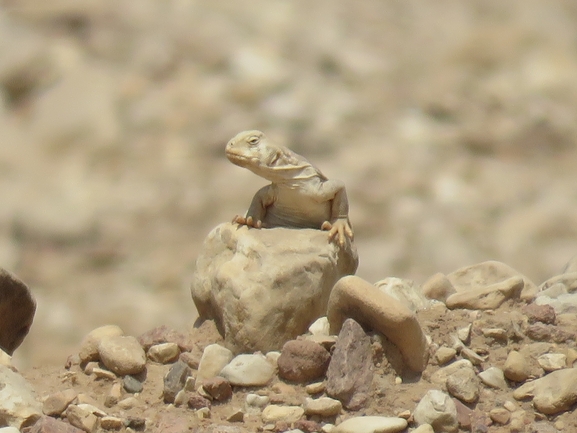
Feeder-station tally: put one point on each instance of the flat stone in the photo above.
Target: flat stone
(487, 298)
(315, 388)
(47, 424)
(164, 334)
(218, 388)
(516, 367)
(371, 424)
(554, 393)
(214, 358)
(55, 404)
(464, 385)
(353, 297)
(89, 345)
(248, 370)
(18, 403)
(174, 380)
(274, 413)
(302, 361)
(122, 354)
(82, 419)
(552, 361)
(493, 377)
(445, 354)
(482, 275)
(440, 376)
(17, 308)
(164, 353)
(405, 291)
(437, 409)
(323, 406)
(245, 304)
(350, 375)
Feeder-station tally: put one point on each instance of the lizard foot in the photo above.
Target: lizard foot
(247, 221)
(340, 228)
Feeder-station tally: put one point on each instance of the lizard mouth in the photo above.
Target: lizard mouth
(237, 158)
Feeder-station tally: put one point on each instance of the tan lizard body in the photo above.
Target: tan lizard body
(299, 194)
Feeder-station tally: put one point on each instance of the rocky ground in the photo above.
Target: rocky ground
(452, 125)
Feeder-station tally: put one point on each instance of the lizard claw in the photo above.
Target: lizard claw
(340, 227)
(247, 221)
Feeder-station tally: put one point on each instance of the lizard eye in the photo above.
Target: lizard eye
(253, 141)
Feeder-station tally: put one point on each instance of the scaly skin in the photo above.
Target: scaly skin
(299, 194)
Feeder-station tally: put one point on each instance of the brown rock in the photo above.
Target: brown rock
(81, 418)
(165, 334)
(218, 388)
(349, 376)
(47, 424)
(17, 308)
(57, 403)
(307, 426)
(196, 401)
(302, 361)
(464, 415)
(360, 300)
(540, 313)
(542, 332)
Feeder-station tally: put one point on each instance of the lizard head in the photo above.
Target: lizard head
(252, 150)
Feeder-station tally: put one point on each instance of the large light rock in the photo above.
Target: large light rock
(17, 308)
(437, 409)
(19, 406)
(482, 275)
(265, 287)
(371, 424)
(553, 393)
(360, 300)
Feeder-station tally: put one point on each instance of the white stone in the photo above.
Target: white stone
(274, 413)
(320, 326)
(552, 361)
(301, 264)
(371, 424)
(440, 376)
(493, 377)
(437, 409)
(248, 370)
(122, 354)
(213, 360)
(405, 291)
(9, 430)
(255, 400)
(18, 403)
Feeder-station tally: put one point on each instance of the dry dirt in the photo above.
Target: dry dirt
(388, 398)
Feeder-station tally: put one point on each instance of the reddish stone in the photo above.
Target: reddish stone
(541, 332)
(218, 388)
(164, 334)
(350, 375)
(48, 424)
(196, 401)
(540, 313)
(463, 414)
(302, 361)
(307, 426)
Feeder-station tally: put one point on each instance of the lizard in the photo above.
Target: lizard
(299, 194)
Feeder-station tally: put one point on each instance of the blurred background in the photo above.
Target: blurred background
(453, 125)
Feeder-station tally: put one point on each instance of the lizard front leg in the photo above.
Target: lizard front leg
(254, 217)
(338, 225)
